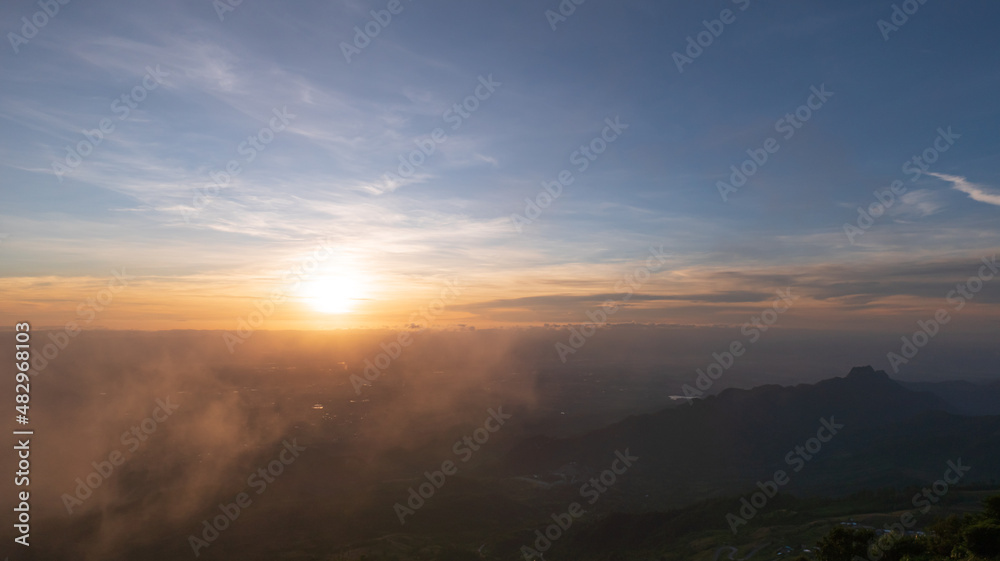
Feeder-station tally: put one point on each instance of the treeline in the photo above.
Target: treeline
(972, 537)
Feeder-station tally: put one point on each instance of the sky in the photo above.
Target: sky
(317, 223)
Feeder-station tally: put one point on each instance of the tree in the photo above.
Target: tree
(945, 534)
(991, 508)
(983, 540)
(843, 544)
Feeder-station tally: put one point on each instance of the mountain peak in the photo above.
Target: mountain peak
(868, 373)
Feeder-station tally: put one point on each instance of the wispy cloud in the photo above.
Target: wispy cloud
(919, 203)
(975, 192)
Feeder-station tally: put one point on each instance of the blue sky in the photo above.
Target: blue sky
(131, 203)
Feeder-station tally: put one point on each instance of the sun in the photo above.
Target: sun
(333, 293)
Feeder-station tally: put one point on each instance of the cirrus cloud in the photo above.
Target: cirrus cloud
(975, 192)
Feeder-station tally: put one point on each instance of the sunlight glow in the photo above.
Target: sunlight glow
(333, 293)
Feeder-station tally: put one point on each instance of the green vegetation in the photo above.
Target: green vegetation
(972, 537)
(788, 529)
